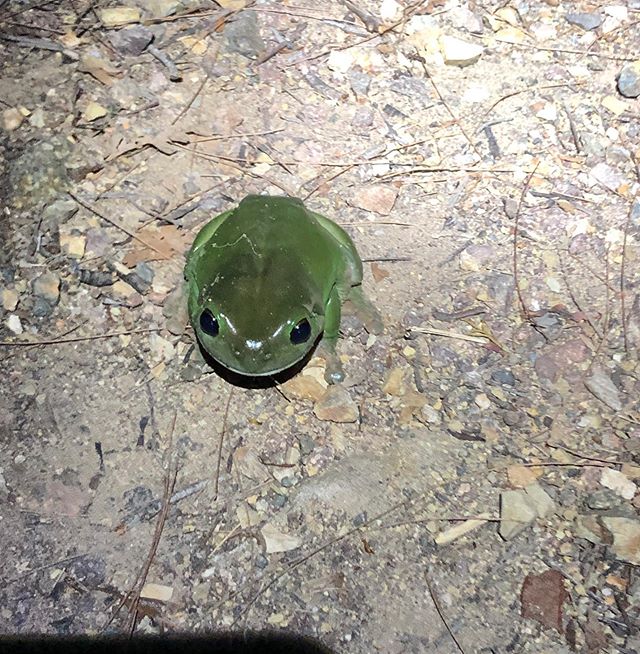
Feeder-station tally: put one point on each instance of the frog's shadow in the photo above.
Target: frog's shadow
(248, 381)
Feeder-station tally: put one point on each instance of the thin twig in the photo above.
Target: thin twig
(455, 118)
(13, 580)
(302, 559)
(76, 339)
(41, 44)
(122, 228)
(132, 597)
(220, 444)
(516, 225)
(528, 90)
(434, 599)
(623, 309)
(192, 100)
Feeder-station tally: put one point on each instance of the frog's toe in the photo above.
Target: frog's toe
(334, 375)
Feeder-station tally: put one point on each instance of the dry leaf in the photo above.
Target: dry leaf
(378, 272)
(167, 241)
(103, 71)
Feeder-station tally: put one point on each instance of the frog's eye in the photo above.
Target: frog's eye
(301, 332)
(208, 323)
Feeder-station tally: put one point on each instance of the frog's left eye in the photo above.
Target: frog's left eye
(208, 323)
(301, 332)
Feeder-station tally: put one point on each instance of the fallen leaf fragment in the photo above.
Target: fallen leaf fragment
(102, 70)
(161, 243)
(277, 541)
(375, 197)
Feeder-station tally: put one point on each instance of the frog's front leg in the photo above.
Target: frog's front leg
(333, 372)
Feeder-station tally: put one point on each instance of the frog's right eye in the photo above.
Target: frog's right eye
(208, 323)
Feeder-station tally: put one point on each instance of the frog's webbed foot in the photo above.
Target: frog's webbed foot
(334, 373)
(365, 310)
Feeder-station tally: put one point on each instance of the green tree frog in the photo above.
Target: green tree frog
(265, 283)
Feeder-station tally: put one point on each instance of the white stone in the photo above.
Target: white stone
(390, 11)
(459, 53)
(14, 324)
(619, 483)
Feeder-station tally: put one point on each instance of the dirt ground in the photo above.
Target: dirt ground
(472, 485)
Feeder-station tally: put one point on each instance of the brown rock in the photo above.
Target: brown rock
(542, 598)
(560, 360)
(303, 387)
(336, 405)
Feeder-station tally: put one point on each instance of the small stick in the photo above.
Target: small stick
(623, 310)
(122, 228)
(220, 443)
(132, 597)
(371, 23)
(516, 279)
(441, 332)
(455, 118)
(434, 599)
(13, 580)
(41, 44)
(76, 339)
(174, 74)
(527, 90)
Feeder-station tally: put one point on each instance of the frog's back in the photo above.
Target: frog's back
(265, 233)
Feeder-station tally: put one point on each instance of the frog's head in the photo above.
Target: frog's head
(255, 333)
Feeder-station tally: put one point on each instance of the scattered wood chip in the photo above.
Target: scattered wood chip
(156, 592)
(457, 531)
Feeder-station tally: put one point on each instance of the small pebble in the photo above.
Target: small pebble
(14, 325)
(12, 119)
(131, 41)
(584, 20)
(459, 53)
(629, 80)
(503, 377)
(337, 406)
(9, 299)
(47, 287)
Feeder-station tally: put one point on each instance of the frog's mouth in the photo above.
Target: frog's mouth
(242, 376)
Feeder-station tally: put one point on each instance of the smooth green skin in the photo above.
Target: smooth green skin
(263, 267)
